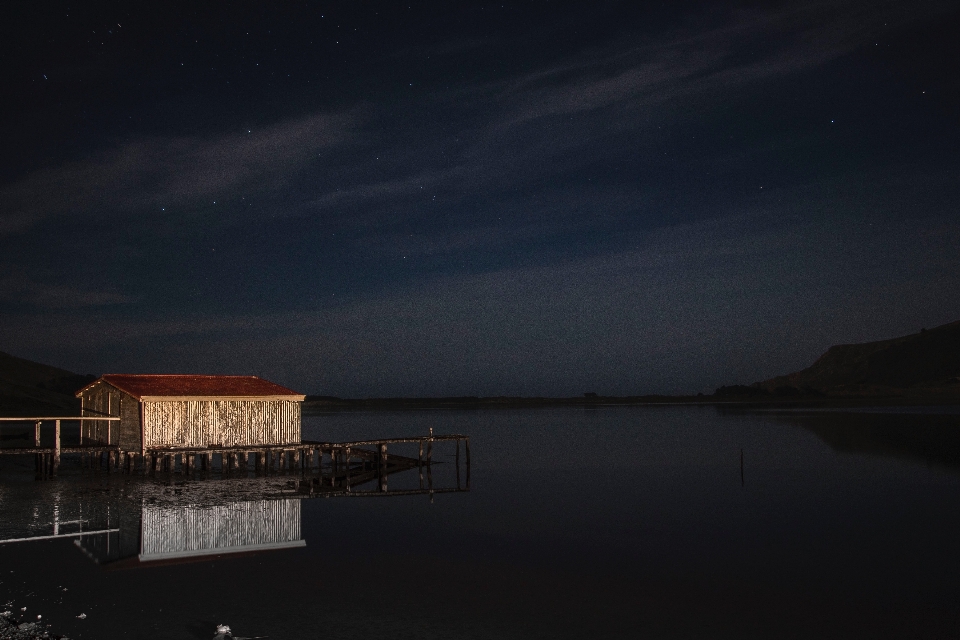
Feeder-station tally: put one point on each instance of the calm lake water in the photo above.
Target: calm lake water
(614, 522)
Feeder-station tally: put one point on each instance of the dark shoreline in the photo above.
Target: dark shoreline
(325, 403)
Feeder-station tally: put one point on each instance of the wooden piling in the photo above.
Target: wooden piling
(346, 468)
(56, 447)
(382, 467)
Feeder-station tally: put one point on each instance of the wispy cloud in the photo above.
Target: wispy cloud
(167, 172)
(746, 296)
(507, 135)
(750, 46)
(21, 291)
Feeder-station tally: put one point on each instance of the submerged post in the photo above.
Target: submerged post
(382, 467)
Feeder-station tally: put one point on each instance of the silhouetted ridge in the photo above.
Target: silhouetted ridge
(918, 364)
(28, 387)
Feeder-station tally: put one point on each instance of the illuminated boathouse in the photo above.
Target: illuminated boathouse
(189, 412)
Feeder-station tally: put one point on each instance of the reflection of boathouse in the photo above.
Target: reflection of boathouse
(185, 531)
(190, 411)
(170, 532)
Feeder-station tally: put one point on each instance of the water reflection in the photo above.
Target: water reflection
(131, 521)
(174, 533)
(919, 434)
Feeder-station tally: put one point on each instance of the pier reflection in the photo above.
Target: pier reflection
(131, 521)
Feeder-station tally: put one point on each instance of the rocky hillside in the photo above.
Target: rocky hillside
(921, 364)
(30, 388)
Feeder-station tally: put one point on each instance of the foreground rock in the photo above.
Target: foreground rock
(14, 627)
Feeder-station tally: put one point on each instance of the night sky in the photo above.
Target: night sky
(461, 198)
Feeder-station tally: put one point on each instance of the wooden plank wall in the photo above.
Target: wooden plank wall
(129, 425)
(169, 531)
(228, 423)
(101, 399)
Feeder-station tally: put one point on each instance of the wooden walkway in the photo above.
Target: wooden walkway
(349, 463)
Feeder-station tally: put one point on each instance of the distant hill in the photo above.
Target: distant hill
(30, 388)
(920, 364)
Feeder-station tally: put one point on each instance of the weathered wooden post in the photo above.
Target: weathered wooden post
(56, 447)
(382, 468)
(420, 463)
(346, 468)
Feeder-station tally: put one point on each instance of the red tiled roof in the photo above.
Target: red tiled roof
(140, 386)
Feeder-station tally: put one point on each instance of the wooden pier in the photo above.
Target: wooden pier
(48, 458)
(349, 463)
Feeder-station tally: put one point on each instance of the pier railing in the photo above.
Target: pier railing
(48, 458)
